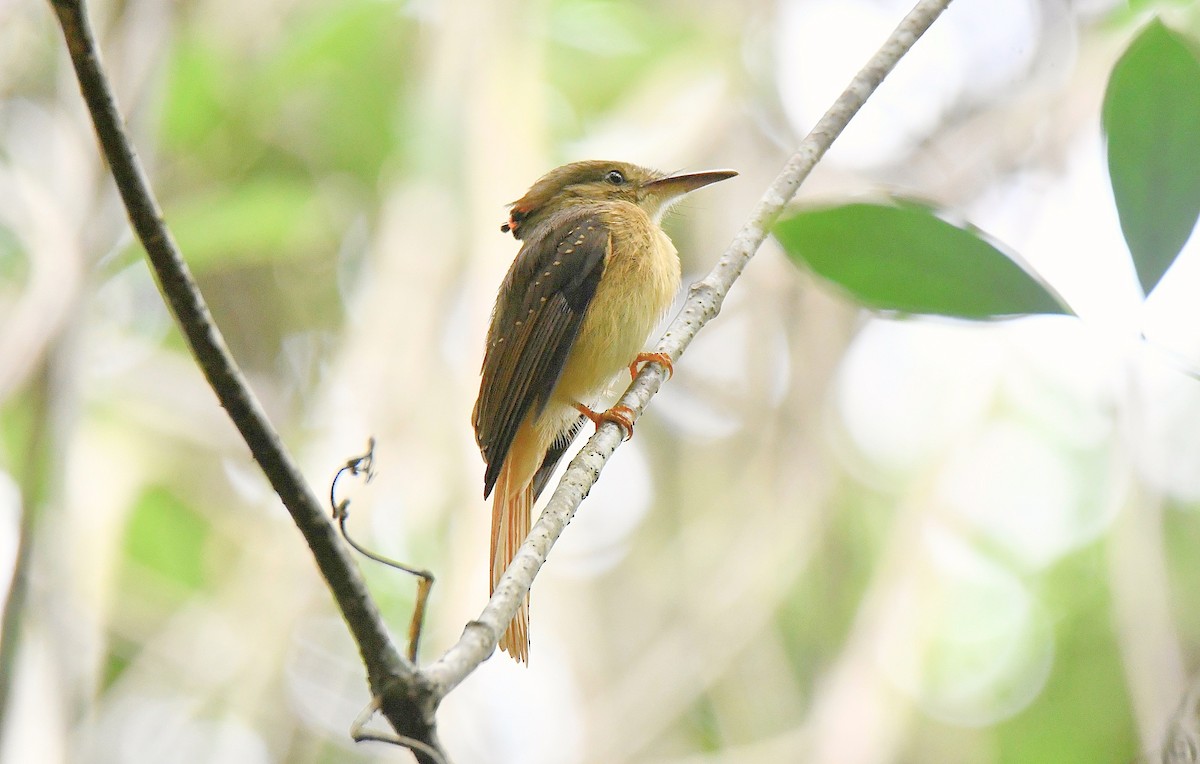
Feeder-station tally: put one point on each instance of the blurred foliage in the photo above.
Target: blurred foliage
(326, 96)
(623, 40)
(842, 567)
(18, 422)
(14, 264)
(1182, 533)
(272, 150)
(1068, 722)
(166, 539)
(120, 654)
(264, 218)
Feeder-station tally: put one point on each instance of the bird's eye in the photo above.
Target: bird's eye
(615, 177)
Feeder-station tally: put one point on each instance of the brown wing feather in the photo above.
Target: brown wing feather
(532, 332)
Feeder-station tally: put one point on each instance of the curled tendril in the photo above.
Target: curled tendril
(365, 465)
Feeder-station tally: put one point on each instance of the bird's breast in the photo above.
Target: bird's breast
(640, 278)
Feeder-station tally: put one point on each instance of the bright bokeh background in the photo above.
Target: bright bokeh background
(837, 538)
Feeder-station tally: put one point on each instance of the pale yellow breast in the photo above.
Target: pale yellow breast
(641, 276)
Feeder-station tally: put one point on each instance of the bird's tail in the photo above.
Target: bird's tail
(511, 505)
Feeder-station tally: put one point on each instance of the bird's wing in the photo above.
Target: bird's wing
(533, 329)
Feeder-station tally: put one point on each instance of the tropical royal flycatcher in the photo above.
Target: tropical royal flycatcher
(594, 275)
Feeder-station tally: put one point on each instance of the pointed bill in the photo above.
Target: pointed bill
(664, 192)
(678, 185)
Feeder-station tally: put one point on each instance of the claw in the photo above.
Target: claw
(661, 358)
(622, 416)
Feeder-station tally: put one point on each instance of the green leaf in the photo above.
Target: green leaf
(1152, 122)
(903, 258)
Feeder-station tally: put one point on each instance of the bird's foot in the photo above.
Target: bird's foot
(622, 416)
(661, 358)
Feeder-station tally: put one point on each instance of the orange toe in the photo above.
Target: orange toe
(622, 416)
(660, 358)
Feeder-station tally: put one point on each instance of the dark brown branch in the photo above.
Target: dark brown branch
(393, 680)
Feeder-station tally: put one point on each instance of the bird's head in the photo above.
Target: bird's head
(596, 181)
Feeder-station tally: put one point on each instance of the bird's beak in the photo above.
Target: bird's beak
(674, 186)
(659, 195)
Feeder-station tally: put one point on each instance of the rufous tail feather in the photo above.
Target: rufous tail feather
(511, 505)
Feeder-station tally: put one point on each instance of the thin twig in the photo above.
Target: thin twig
(391, 677)
(365, 465)
(702, 305)
(359, 733)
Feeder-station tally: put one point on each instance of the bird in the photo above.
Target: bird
(594, 275)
